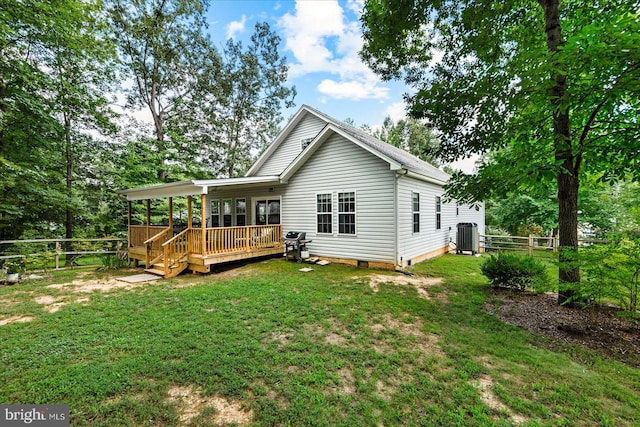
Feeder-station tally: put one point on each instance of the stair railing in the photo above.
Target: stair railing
(154, 246)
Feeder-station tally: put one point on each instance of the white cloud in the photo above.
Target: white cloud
(353, 89)
(235, 27)
(323, 39)
(466, 165)
(397, 111)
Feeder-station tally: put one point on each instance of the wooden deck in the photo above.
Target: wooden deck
(197, 249)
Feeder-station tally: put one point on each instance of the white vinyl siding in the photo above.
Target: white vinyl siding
(289, 149)
(411, 245)
(340, 166)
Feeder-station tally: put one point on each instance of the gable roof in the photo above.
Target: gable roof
(385, 151)
(396, 157)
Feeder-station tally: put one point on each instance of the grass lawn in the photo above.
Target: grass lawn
(265, 344)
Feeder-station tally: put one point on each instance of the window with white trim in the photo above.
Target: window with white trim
(241, 212)
(227, 209)
(215, 213)
(415, 204)
(324, 214)
(347, 213)
(438, 213)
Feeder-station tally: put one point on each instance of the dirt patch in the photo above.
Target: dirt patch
(88, 286)
(597, 328)
(51, 304)
(336, 333)
(485, 386)
(190, 403)
(421, 284)
(427, 343)
(7, 302)
(15, 319)
(346, 382)
(282, 337)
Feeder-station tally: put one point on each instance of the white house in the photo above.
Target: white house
(358, 199)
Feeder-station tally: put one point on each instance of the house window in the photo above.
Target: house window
(267, 212)
(324, 215)
(241, 212)
(347, 213)
(227, 208)
(215, 213)
(416, 212)
(438, 213)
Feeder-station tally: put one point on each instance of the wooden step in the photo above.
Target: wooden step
(155, 271)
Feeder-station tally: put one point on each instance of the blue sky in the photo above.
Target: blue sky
(321, 40)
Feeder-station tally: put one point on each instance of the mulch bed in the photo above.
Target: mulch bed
(598, 328)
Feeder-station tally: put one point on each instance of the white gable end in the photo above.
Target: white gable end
(308, 127)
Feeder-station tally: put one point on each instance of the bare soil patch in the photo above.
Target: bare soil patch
(485, 386)
(421, 284)
(15, 319)
(100, 285)
(191, 403)
(598, 328)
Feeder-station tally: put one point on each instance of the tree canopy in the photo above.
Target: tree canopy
(549, 89)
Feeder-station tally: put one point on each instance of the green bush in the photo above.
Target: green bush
(515, 271)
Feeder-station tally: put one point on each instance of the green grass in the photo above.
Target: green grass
(292, 348)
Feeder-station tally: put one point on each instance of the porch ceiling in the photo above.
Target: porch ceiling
(194, 187)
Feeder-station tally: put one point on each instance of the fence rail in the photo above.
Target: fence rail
(47, 253)
(489, 242)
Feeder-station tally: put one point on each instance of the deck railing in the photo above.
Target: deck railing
(212, 241)
(139, 233)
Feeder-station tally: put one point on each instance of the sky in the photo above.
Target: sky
(321, 40)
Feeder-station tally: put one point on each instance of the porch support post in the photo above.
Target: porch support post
(171, 215)
(204, 223)
(189, 212)
(148, 216)
(129, 222)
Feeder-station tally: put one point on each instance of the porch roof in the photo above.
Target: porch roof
(194, 187)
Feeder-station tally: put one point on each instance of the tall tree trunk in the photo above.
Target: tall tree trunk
(68, 247)
(568, 181)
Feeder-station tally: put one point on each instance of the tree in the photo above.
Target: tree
(165, 53)
(552, 92)
(411, 135)
(49, 51)
(235, 112)
(82, 70)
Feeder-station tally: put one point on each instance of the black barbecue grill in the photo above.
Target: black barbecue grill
(295, 244)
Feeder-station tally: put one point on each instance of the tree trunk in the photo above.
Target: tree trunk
(68, 247)
(568, 181)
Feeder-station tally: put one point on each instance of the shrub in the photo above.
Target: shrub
(612, 271)
(515, 271)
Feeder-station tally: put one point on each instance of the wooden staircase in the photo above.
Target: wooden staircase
(167, 257)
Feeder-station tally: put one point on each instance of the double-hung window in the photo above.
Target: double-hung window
(241, 212)
(438, 213)
(215, 213)
(415, 202)
(347, 213)
(227, 209)
(324, 215)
